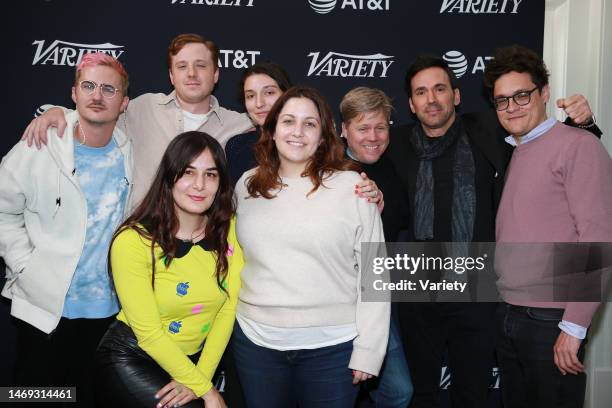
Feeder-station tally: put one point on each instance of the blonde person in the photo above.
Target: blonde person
(365, 127)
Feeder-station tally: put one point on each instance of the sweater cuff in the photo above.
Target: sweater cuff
(203, 389)
(368, 361)
(580, 313)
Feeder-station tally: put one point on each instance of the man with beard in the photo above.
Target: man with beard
(453, 168)
(153, 120)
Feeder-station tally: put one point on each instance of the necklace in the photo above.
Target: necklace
(82, 134)
(195, 234)
(200, 234)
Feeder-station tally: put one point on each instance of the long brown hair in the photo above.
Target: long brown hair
(155, 219)
(328, 158)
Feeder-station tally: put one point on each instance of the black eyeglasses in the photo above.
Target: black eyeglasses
(89, 87)
(520, 98)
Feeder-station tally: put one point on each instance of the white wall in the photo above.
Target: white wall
(578, 52)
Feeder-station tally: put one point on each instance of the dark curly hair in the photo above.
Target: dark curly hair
(516, 58)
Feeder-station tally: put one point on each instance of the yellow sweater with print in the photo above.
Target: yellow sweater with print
(186, 309)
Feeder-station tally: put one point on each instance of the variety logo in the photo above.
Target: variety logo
(325, 6)
(458, 63)
(69, 54)
(480, 6)
(335, 64)
(237, 58)
(247, 3)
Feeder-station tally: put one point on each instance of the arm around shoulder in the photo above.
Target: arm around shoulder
(36, 132)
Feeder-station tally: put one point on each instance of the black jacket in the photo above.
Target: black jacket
(491, 156)
(396, 214)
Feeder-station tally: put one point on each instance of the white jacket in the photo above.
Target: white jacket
(43, 220)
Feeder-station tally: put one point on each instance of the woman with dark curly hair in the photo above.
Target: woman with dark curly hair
(175, 263)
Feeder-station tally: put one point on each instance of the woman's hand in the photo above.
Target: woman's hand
(212, 399)
(359, 376)
(175, 394)
(368, 189)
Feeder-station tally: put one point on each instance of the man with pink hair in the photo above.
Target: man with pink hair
(58, 210)
(154, 119)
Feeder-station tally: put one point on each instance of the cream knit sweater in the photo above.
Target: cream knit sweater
(302, 258)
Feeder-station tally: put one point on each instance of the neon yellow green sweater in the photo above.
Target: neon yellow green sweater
(185, 309)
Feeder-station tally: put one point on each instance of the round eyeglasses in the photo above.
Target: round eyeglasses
(521, 98)
(89, 87)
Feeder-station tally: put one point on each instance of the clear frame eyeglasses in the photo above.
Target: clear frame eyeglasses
(89, 87)
(521, 98)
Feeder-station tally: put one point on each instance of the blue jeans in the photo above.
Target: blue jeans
(394, 388)
(318, 378)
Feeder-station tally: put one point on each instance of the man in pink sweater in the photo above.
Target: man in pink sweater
(558, 190)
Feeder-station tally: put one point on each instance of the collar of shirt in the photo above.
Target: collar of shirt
(183, 247)
(350, 154)
(535, 132)
(214, 104)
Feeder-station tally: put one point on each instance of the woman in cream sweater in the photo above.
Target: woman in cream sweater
(301, 325)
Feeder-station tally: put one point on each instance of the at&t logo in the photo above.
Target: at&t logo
(237, 58)
(69, 54)
(325, 6)
(335, 64)
(458, 63)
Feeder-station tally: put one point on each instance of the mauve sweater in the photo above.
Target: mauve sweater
(558, 189)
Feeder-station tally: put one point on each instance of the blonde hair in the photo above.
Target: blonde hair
(362, 100)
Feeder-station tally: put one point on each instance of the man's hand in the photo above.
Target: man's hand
(37, 129)
(577, 108)
(566, 354)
